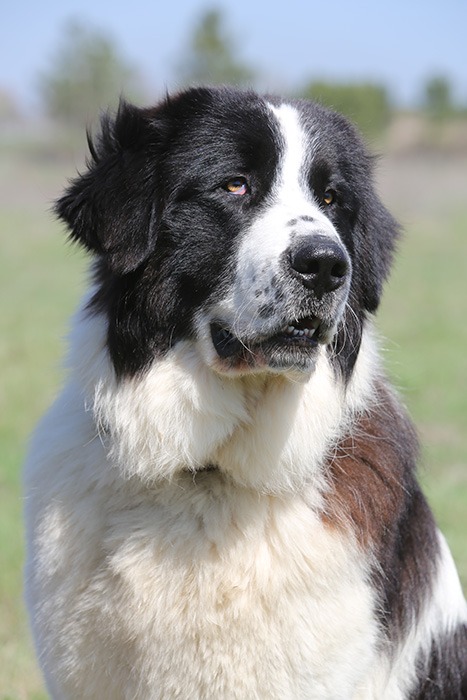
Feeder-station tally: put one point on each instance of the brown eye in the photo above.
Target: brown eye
(237, 186)
(329, 197)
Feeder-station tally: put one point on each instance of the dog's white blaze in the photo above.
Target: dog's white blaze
(261, 253)
(291, 191)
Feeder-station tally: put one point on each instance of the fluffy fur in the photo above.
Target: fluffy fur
(222, 503)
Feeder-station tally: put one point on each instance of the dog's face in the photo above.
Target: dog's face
(246, 225)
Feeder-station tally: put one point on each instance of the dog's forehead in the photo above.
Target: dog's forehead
(216, 112)
(283, 121)
(214, 135)
(214, 130)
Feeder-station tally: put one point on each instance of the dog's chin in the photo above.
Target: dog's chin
(291, 349)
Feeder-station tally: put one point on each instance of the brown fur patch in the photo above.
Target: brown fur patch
(374, 491)
(370, 469)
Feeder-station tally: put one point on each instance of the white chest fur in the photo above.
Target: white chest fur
(170, 584)
(201, 589)
(250, 595)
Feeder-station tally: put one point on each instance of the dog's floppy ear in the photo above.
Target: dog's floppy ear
(380, 233)
(111, 208)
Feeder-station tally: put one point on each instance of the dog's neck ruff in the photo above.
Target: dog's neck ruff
(268, 432)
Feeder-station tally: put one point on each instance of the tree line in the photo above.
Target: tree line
(89, 73)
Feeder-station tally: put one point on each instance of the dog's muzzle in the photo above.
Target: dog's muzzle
(291, 314)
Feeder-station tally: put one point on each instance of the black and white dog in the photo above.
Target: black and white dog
(222, 503)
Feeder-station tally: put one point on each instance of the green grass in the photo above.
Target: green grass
(424, 316)
(41, 279)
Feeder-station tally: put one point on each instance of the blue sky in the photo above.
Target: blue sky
(398, 42)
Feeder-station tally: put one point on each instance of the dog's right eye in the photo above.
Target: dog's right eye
(237, 186)
(329, 197)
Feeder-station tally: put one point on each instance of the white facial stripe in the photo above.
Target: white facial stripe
(291, 191)
(251, 307)
(270, 235)
(290, 174)
(291, 199)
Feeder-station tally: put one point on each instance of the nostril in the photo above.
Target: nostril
(321, 262)
(306, 266)
(339, 270)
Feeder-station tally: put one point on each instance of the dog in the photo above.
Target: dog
(223, 502)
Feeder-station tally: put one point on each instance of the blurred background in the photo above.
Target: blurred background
(398, 69)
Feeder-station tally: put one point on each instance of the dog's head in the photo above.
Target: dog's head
(246, 225)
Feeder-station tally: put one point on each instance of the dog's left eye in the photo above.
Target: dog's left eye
(329, 197)
(237, 186)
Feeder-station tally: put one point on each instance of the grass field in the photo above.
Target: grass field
(423, 315)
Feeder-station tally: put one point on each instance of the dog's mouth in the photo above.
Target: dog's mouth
(294, 345)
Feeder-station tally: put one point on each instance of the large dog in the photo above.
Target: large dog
(222, 503)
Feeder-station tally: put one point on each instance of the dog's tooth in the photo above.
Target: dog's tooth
(301, 333)
(295, 332)
(290, 329)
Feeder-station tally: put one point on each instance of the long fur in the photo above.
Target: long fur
(222, 502)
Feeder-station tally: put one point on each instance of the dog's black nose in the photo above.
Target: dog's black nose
(321, 263)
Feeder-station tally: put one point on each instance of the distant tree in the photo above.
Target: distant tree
(88, 74)
(9, 109)
(212, 57)
(438, 99)
(367, 105)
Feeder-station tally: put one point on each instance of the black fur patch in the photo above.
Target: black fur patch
(443, 675)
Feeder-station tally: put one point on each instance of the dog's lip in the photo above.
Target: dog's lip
(303, 332)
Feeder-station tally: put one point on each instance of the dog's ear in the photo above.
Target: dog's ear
(379, 234)
(111, 208)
